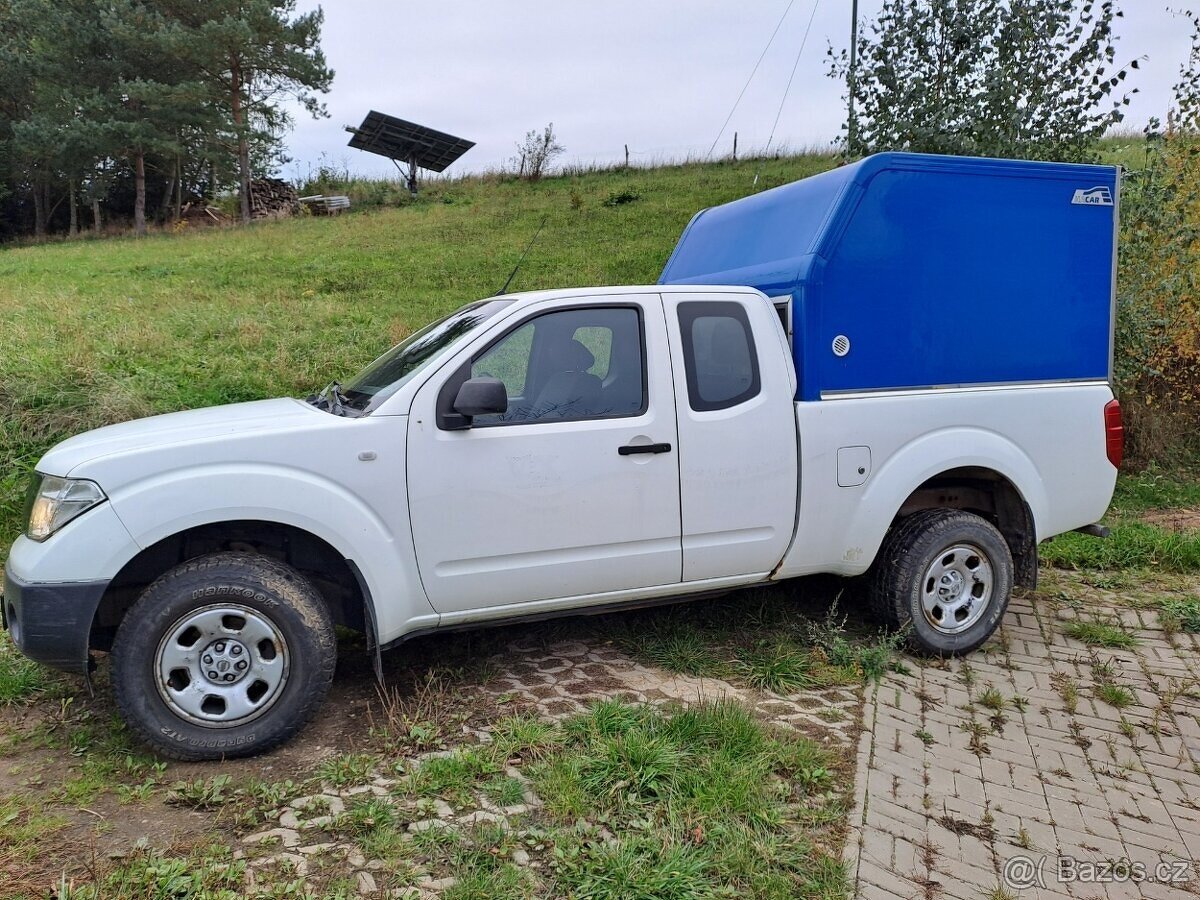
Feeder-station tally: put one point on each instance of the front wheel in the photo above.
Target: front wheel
(946, 575)
(225, 655)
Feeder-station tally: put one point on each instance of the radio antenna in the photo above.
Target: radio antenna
(517, 267)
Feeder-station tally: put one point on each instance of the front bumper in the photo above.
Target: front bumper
(51, 622)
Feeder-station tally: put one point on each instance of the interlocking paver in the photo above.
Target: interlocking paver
(1048, 777)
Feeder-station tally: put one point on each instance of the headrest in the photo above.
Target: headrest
(571, 357)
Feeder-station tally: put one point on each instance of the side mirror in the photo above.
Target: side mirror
(481, 397)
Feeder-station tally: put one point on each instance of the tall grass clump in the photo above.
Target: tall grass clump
(702, 798)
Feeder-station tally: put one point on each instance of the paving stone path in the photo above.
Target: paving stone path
(1013, 774)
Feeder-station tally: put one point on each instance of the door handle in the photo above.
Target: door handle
(630, 449)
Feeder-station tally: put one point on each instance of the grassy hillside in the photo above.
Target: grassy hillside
(93, 332)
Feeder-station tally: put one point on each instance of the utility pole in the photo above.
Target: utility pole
(852, 78)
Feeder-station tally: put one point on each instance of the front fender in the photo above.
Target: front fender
(166, 504)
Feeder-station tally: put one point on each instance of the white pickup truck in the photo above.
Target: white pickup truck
(860, 393)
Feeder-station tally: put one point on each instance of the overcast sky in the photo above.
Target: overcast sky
(658, 75)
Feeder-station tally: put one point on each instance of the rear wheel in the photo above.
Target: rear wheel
(946, 575)
(226, 655)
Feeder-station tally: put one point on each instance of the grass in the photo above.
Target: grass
(21, 679)
(1157, 488)
(1181, 614)
(208, 873)
(1100, 634)
(701, 798)
(1114, 695)
(1132, 545)
(451, 777)
(347, 770)
(779, 665)
(765, 638)
(100, 331)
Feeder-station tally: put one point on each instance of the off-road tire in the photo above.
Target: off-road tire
(910, 548)
(269, 588)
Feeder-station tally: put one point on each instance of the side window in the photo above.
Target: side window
(569, 365)
(508, 360)
(718, 355)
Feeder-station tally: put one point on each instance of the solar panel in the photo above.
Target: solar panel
(407, 142)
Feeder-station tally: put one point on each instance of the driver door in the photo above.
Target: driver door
(559, 496)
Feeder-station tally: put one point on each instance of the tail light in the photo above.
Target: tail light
(1114, 433)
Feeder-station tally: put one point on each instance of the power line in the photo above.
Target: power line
(729, 117)
(788, 88)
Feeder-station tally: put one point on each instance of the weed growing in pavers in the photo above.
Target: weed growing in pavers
(504, 882)
(924, 737)
(206, 873)
(678, 647)
(348, 769)
(1183, 614)
(1100, 634)
(991, 698)
(451, 777)
(1103, 670)
(1068, 689)
(504, 790)
(977, 733)
(201, 792)
(524, 737)
(966, 675)
(778, 666)
(374, 825)
(1114, 695)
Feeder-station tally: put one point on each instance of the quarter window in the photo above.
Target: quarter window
(718, 354)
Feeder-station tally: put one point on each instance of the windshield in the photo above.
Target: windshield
(391, 371)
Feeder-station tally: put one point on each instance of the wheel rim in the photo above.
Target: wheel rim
(957, 588)
(221, 665)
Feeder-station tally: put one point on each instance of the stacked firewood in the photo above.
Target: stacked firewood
(272, 198)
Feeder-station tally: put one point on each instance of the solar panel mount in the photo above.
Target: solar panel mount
(407, 144)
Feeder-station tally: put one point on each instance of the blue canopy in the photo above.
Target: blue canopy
(940, 271)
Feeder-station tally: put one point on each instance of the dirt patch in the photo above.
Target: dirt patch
(1174, 519)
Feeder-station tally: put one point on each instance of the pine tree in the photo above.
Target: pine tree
(252, 54)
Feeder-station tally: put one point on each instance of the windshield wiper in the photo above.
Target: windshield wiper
(330, 399)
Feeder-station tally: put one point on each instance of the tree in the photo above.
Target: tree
(1157, 362)
(1018, 78)
(537, 152)
(252, 54)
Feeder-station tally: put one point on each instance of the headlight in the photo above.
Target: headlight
(56, 501)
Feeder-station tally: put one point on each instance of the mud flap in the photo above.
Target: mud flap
(369, 624)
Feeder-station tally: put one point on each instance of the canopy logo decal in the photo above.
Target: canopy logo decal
(1097, 196)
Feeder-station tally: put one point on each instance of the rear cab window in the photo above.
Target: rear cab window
(720, 360)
